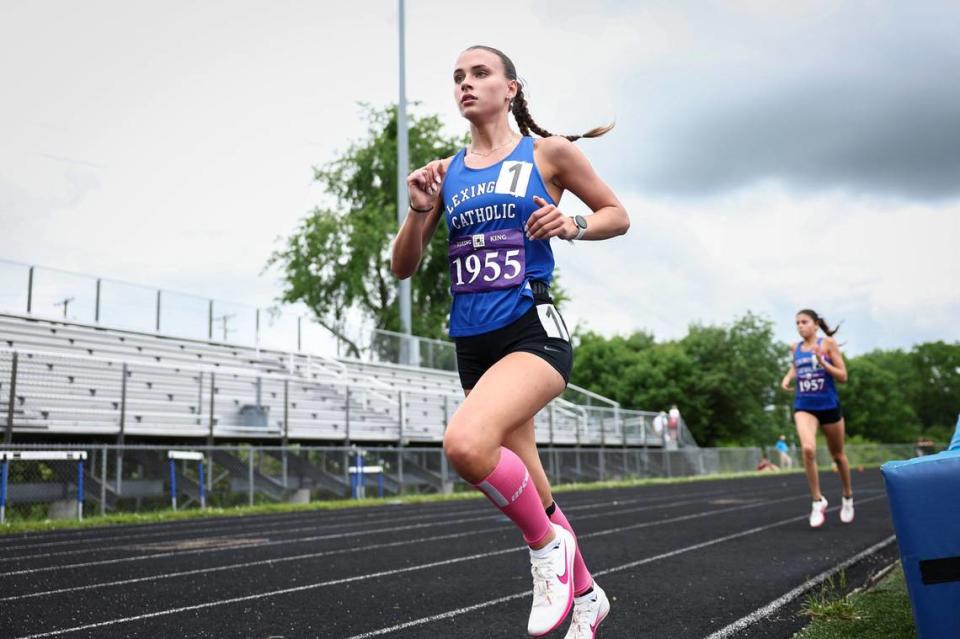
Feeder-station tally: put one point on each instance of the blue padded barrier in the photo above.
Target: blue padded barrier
(924, 496)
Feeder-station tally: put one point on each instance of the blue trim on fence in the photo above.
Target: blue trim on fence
(80, 482)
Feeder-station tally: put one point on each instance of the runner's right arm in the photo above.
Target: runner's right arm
(791, 374)
(425, 186)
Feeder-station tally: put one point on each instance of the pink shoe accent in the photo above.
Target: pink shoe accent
(509, 487)
(582, 579)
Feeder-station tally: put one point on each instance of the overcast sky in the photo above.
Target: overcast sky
(772, 155)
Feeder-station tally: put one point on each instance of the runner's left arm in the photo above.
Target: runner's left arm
(568, 168)
(837, 369)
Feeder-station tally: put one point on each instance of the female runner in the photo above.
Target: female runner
(816, 363)
(499, 200)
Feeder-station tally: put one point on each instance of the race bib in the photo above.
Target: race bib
(513, 179)
(487, 261)
(552, 323)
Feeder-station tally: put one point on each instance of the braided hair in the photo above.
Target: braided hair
(819, 321)
(519, 108)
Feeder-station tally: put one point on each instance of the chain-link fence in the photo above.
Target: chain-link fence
(42, 482)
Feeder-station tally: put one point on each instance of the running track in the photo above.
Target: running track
(721, 558)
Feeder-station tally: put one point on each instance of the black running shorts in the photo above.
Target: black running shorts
(540, 331)
(827, 416)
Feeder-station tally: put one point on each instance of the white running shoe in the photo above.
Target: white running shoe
(846, 509)
(818, 512)
(588, 611)
(552, 583)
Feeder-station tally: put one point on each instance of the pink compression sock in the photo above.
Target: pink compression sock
(510, 489)
(582, 579)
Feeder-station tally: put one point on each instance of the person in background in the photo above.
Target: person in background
(786, 461)
(673, 422)
(767, 466)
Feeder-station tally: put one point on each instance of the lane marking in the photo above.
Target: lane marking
(493, 602)
(490, 516)
(780, 602)
(328, 525)
(325, 553)
(396, 571)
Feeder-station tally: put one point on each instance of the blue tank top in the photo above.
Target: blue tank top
(815, 387)
(491, 259)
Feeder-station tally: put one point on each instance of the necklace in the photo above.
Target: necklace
(512, 140)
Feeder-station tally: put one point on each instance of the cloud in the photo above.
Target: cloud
(832, 99)
(888, 269)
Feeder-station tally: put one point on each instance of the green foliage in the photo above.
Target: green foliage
(718, 376)
(882, 612)
(830, 602)
(875, 402)
(338, 258)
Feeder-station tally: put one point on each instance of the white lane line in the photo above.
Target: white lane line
(478, 507)
(224, 530)
(262, 562)
(395, 571)
(249, 564)
(491, 515)
(633, 564)
(776, 604)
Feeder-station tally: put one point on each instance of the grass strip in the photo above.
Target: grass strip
(158, 516)
(880, 612)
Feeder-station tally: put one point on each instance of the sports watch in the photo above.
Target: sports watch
(581, 223)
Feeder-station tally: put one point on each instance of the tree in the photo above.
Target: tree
(874, 403)
(723, 378)
(936, 389)
(338, 258)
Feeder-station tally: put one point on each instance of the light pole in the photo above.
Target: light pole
(403, 166)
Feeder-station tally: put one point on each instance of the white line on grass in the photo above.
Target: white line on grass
(776, 604)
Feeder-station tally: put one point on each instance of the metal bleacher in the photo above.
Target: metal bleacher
(88, 380)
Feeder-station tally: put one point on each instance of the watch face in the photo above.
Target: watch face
(580, 220)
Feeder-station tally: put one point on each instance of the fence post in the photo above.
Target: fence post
(250, 477)
(346, 416)
(669, 469)
(80, 489)
(3, 489)
(550, 416)
(203, 492)
(173, 484)
(445, 485)
(8, 437)
(30, 291)
(96, 304)
(213, 389)
(121, 436)
(286, 427)
(402, 416)
(299, 334)
(210, 321)
(159, 292)
(103, 480)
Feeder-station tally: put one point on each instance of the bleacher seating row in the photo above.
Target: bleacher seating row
(90, 380)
